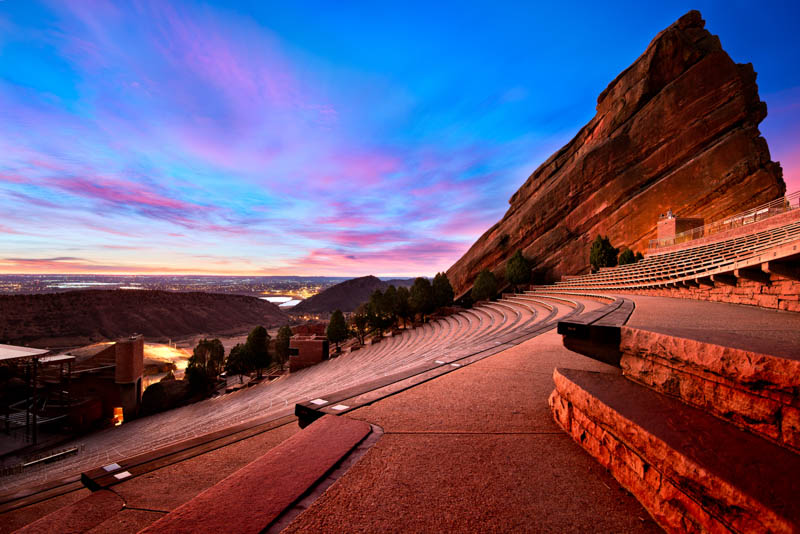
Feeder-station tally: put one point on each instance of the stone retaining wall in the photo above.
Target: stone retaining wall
(781, 293)
(672, 509)
(756, 392)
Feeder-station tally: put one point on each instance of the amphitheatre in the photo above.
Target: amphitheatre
(661, 394)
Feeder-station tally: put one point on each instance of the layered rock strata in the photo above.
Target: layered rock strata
(678, 130)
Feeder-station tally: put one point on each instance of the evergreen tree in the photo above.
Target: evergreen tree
(390, 304)
(257, 346)
(205, 364)
(380, 311)
(337, 329)
(639, 256)
(442, 291)
(518, 270)
(282, 345)
(403, 307)
(359, 322)
(626, 257)
(485, 287)
(239, 361)
(602, 254)
(421, 297)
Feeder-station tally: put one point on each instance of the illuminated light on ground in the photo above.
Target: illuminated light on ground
(118, 417)
(167, 354)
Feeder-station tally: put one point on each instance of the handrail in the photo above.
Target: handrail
(753, 215)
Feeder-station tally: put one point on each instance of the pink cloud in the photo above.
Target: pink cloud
(409, 259)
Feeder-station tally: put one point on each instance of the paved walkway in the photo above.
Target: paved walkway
(477, 451)
(744, 327)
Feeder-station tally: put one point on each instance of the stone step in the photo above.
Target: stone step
(692, 471)
(756, 388)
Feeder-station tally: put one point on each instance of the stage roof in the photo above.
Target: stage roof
(12, 352)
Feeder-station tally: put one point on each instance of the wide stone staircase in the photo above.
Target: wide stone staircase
(705, 434)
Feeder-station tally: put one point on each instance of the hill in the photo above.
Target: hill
(678, 130)
(78, 317)
(346, 296)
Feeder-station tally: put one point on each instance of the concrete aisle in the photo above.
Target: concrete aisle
(749, 328)
(477, 451)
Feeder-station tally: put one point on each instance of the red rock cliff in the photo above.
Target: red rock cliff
(677, 129)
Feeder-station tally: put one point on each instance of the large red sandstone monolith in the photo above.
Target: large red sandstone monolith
(676, 130)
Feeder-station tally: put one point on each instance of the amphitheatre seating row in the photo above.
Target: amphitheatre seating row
(695, 264)
(706, 436)
(495, 327)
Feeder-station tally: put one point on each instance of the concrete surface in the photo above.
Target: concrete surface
(477, 451)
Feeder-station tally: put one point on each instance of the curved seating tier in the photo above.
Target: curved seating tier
(696, 264)
(439, 343)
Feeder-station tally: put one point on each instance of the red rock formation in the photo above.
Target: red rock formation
(677, 129)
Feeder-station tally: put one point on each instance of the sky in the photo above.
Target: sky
(314, 138)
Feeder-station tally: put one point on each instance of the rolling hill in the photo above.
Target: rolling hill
(79, 317)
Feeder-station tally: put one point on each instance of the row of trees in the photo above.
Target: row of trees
(385, 309)
(208, 359)
(604, 254)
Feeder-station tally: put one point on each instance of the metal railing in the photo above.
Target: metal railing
(759, 213)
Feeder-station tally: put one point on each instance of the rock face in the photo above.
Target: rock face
(678, 129)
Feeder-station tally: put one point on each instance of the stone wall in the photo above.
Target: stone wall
(756, 392)
(672, 509)
(780, 294)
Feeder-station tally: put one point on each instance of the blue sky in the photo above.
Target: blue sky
(329, 138)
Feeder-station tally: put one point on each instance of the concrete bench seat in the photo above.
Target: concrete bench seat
(252, 498)
(78, 517)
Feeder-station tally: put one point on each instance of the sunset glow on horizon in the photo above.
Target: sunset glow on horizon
(333, 140)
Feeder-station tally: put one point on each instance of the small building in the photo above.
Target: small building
(305, 351)
(669, 226)
(108, 377)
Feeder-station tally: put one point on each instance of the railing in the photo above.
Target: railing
(757, 214)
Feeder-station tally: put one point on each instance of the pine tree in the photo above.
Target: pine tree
(442, 291)
(282, 345)
(421, 297)
(602, 254)
(258, 349)
(337, 329)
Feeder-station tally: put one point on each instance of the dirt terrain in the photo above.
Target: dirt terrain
(81, 317)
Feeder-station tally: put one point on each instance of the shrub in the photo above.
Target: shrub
(626, 257)
(603, 254)
(518, 270)
(485, 287)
